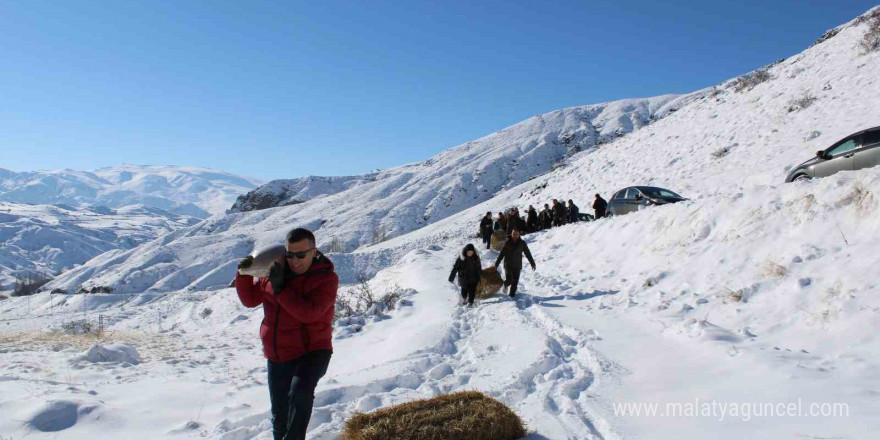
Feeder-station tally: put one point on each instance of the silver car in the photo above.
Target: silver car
(635, 198)
(854, 152)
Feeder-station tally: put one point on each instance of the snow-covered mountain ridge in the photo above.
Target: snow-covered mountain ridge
(196, 192)
(478, 169)
(46, 239)
(377, 206)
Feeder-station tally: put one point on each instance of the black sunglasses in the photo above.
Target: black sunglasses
(300, 255)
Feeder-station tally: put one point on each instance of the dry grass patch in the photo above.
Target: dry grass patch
(490, 283)
(774, 270)
(464, 415)
(729, 296)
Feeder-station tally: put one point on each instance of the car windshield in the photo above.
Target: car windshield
(660, 193)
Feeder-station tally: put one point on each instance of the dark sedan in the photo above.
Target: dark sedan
(636, 197)
(854, 152)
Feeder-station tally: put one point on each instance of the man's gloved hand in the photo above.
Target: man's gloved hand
(533, 266)
(246, 262)
(276, 278)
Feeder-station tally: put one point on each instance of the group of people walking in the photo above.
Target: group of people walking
(469, 268)
(554, 214)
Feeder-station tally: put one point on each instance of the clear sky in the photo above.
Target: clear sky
(287, 88)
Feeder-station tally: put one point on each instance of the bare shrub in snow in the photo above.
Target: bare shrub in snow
(206, 312)
(77, 327)
(859, 197)
(801, 103)
(379, 235)
(871, 40)
(750, 80)
(729, 295)
(721, 152)
(774, 270)
(363, 300)
(829, 34)
(335, 246)
(28, 284)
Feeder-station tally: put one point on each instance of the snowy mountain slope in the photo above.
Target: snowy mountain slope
(376, 206)
(196, 192)
(47, 239)
(284, 192)
(506, 158)
(724, 143)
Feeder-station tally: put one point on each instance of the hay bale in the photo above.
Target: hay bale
(490, 283)
(464, 415)
(499, 237)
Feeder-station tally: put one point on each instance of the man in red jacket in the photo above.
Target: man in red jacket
(298, 299)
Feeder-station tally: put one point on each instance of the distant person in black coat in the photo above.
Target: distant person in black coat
(559, 214)
(486, 229)
(573, 212)
(514, 221)
(546, 217)
(599, 206)
(500, 223)
(532, 223)
(469, 268)
(512, 254)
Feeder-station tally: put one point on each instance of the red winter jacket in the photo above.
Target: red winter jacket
(299, 319)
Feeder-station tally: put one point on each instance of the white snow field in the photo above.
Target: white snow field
(752, 293)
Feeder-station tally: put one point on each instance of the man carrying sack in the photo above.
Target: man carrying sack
(298, 299)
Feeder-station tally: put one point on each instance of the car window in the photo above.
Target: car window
(631, 193)
(843, 148)
(659, 193)
(871, 139)
(619, 194)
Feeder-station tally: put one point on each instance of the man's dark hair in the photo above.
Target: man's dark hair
(300, 234)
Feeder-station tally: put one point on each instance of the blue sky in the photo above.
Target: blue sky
(287, 88)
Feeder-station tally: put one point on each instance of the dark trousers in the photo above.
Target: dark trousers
(292, 392)
(600, 213)
(487, 239)
(468, 292)
(511, 279)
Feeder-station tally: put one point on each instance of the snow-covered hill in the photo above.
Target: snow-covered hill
(196, 192)
(754, 292)
(46, 239)
(374, 207)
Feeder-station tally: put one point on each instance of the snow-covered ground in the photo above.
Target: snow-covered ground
(753, 292)
(196, 192)
(46, 239)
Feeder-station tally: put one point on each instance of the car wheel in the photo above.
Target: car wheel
(801, 178)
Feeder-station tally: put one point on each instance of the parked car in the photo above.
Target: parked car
(636, 197)
(854, 152)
